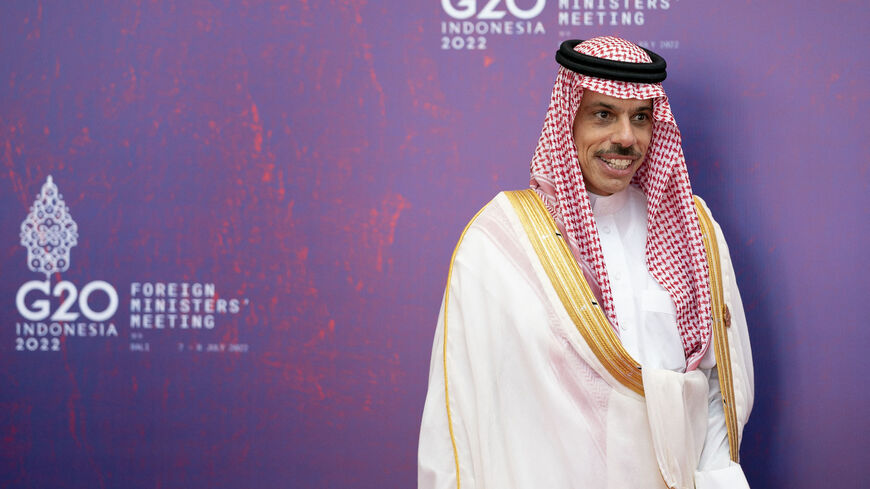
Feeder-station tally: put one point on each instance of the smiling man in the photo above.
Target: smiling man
(592, 333)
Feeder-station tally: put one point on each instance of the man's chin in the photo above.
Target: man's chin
(612, 187)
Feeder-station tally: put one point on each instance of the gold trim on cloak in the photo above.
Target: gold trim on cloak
(589, 318)
(721, 322)
(444, 352)
(576, 296)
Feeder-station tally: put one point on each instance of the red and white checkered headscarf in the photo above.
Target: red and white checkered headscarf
(674, 249)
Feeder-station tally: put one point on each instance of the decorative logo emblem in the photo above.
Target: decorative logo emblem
(49, 232)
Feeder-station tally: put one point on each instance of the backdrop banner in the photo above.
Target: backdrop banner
(226, 226)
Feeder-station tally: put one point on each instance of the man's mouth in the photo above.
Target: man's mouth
(617, 163)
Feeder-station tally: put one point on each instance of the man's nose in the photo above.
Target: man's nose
(623, 133)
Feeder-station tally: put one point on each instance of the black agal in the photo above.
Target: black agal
(611, 70)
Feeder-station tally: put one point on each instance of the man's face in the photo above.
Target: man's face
(612, 136)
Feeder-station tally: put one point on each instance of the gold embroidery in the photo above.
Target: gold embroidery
(576, 296)
(721, 321)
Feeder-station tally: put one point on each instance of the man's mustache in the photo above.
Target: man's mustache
(619, 150)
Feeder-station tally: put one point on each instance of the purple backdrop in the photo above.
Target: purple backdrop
(300, 172)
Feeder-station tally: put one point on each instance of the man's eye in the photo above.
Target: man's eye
(601, 114)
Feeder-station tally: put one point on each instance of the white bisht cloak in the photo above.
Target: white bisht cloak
(518, 398)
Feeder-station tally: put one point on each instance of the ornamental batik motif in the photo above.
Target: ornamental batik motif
(48, 232)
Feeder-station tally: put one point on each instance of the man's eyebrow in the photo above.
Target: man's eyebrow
(602, 104)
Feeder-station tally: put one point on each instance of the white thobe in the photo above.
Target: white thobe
(645, 312)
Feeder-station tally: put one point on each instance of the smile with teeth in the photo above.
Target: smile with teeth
(617, 163)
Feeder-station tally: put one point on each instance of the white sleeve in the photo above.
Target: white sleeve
(436, 466)
(445, 451)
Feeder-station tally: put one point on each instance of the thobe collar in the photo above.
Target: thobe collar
(603, 205)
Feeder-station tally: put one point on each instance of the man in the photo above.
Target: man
(592, 334)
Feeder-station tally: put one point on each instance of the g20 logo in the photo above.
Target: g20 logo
(465, 9)
(40, 309)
